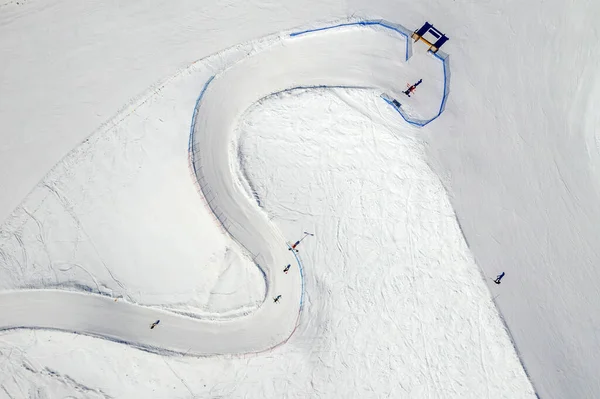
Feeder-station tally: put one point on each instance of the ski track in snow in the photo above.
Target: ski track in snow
(212, 126)
(271, 323)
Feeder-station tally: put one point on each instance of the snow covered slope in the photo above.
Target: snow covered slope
(395, 305)
(515, 148)
(376, 53)
(60, 82)
(120, 217)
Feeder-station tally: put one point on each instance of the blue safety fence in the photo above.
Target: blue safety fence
(205, 189)
(406, 33)
(197, 171)
(191, 149)
(420, 122)
(301, 276)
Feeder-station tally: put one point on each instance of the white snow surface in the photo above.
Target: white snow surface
(120, 216)
(394, 271)
(375, 54)
(516, 151)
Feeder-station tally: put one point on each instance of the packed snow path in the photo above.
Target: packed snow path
(355, 56)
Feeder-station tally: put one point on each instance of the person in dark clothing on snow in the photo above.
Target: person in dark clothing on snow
(154, 324)
(287, 269)
(277, 298)
(499, 278)
(412, 88)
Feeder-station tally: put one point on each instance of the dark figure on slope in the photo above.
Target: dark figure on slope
(154, 324)
(498, 279)
(412, 88)
(287, 269)
(293, 247)
(277, 298)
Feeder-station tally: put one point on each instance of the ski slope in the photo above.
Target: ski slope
(412, 288)
(517, 159)
(376, 54)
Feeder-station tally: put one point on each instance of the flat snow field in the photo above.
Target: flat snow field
(410, 224)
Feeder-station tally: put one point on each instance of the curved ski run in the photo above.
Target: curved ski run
(366, 55)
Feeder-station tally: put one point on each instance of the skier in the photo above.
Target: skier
(276, 299)
(499, 278)
(154, 324)
(412, 88)
(287, 269)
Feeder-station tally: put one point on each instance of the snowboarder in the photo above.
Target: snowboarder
(154, 324)
(499, 278)
(293, 247)
(276, 299)
(412, 88)
(287, 269)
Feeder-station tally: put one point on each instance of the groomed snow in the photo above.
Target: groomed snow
(121, 217)
(516, 150)
(95, 192)
(395, 305)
